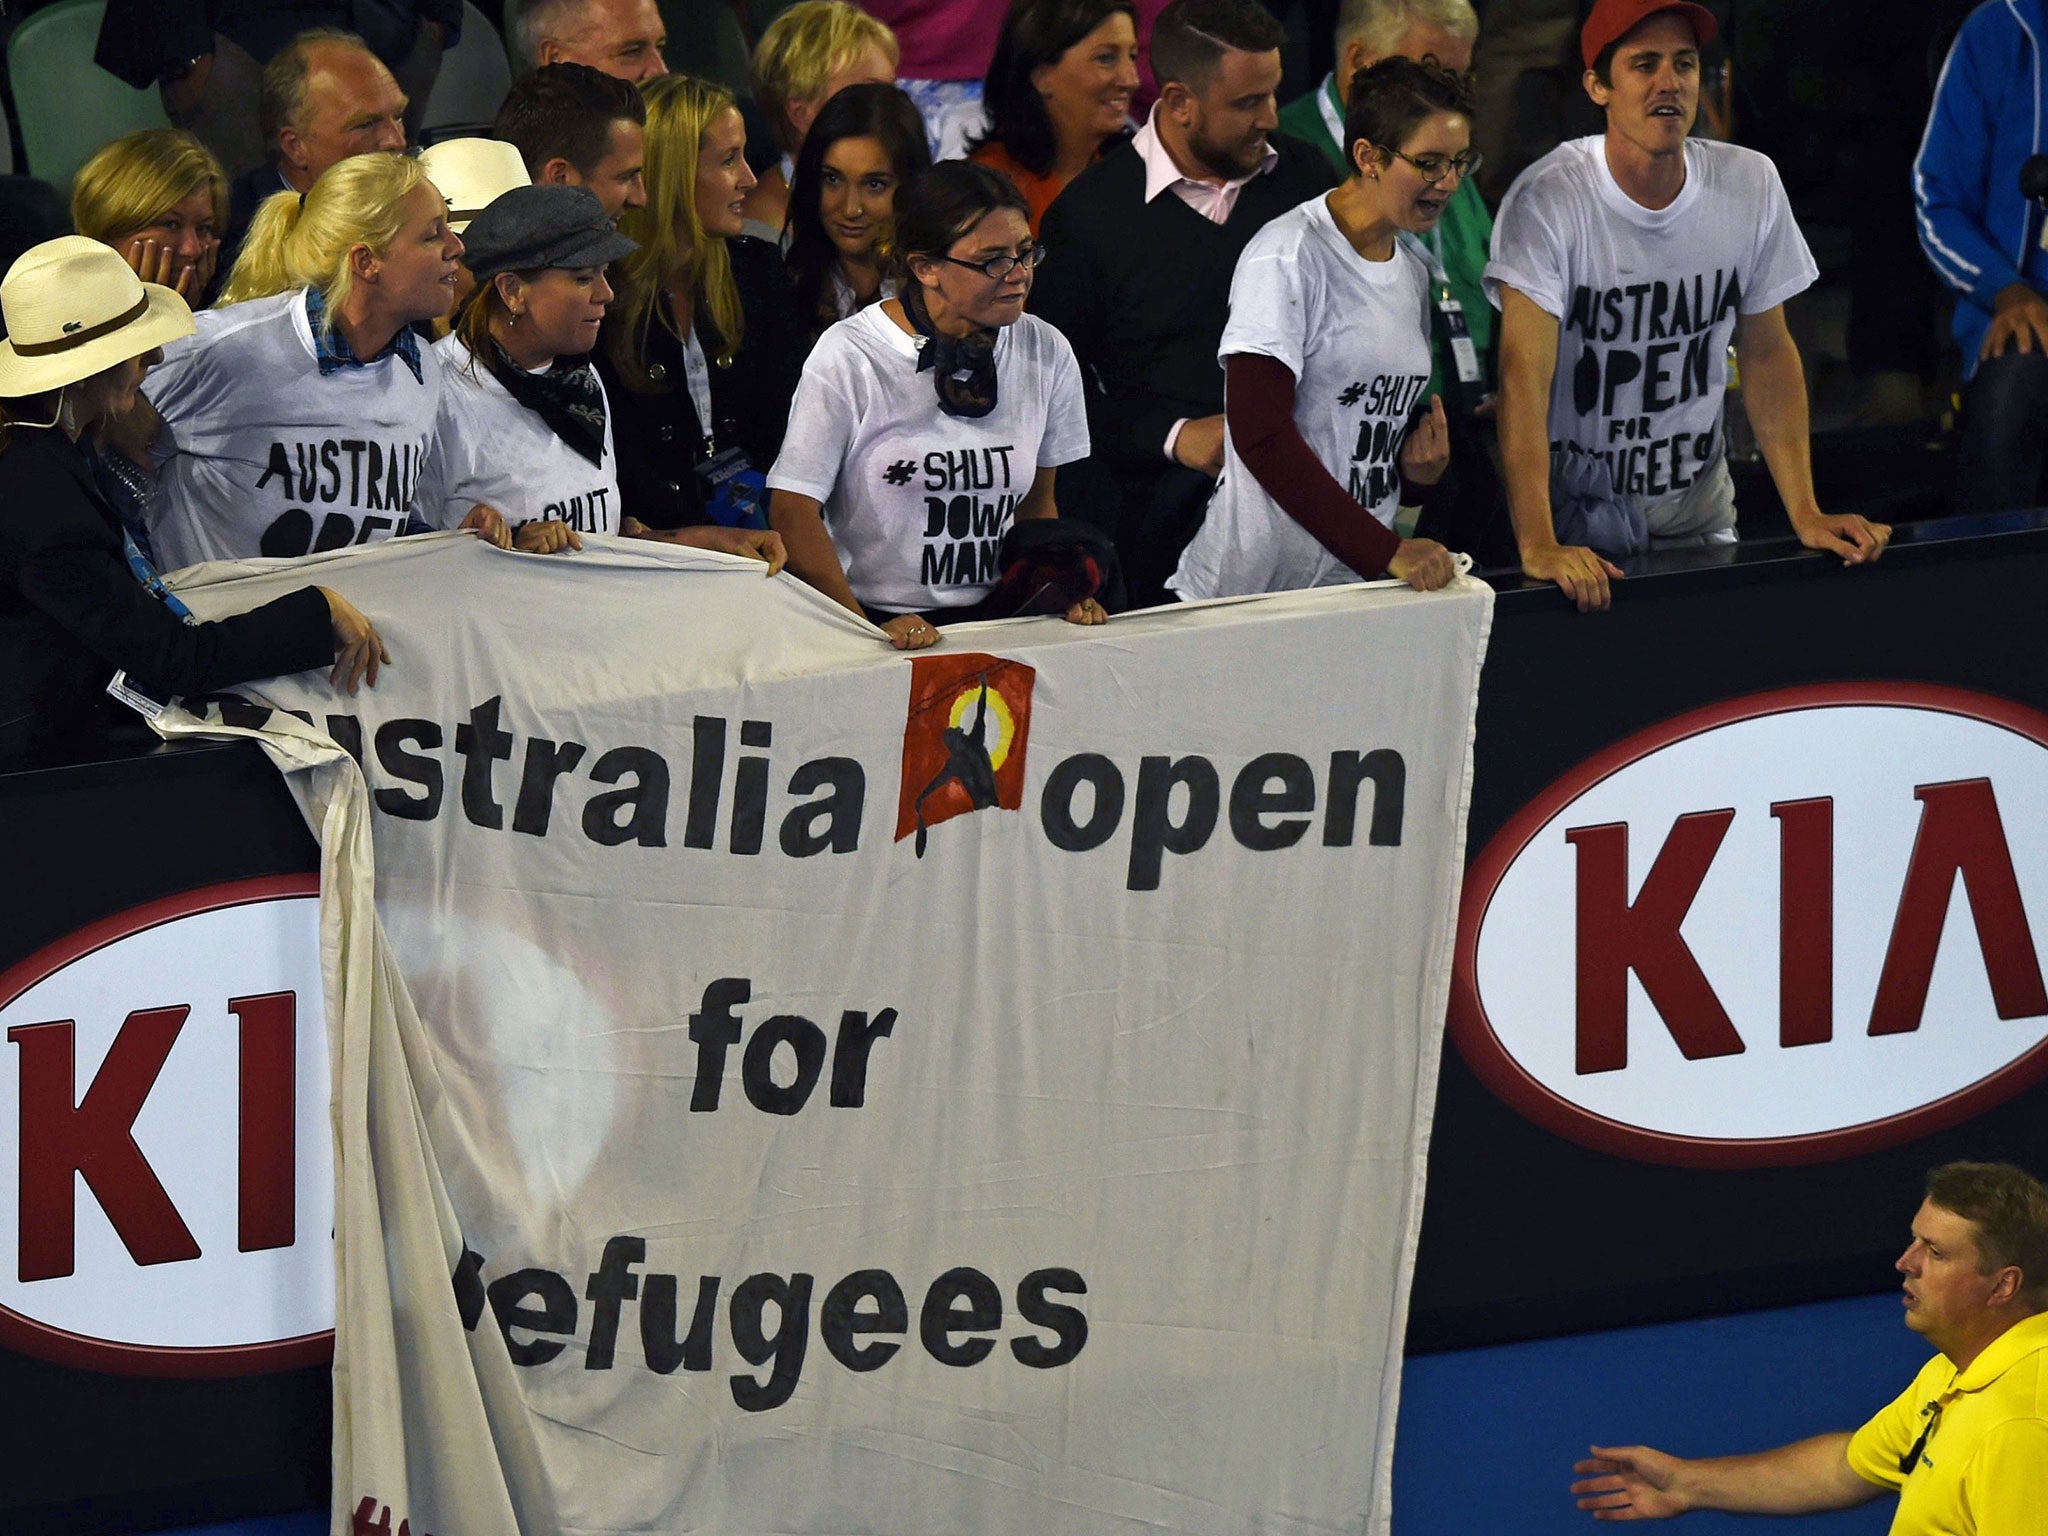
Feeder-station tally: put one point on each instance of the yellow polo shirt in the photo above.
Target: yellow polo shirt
(1984, 1469)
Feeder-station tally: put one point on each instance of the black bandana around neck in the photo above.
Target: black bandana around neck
(963, 367)
(567, 397)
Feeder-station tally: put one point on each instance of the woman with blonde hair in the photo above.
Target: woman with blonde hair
(701, 347)
(161, 199)
(806, 56)
(299, 417)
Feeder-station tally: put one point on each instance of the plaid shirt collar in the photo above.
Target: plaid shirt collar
(332, 350)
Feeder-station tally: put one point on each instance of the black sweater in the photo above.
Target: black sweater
(659, 440)
(1141, 290)
(71, 612)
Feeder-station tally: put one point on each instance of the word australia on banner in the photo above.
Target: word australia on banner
(794, 1087)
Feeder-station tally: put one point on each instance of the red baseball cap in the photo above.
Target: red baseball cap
(1612, 20)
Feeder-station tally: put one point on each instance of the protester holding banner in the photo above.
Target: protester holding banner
(299, 417)
(525, 427)
(1326, 359)
(926, 425)
(865, 145)
(77, 598)
(701, 350)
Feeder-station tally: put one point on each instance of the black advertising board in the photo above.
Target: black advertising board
(100, 1440)
(1716, 1099)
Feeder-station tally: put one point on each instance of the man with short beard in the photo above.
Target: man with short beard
(1965, 1446)
(1140, 251)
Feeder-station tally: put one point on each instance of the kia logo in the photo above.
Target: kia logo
(166, 1204)
(1795, 926)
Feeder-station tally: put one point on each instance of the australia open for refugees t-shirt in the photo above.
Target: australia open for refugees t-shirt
(1355, 335)
(490, 448)
(1646, 301)
(262, 454)
(917, 502)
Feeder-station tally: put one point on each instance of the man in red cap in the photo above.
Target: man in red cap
(1624, 264)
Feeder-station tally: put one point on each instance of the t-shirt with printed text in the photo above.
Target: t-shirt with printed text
(262, 454)
(917, 501)
(490, 448)
(1355, 335)
(1647, 301)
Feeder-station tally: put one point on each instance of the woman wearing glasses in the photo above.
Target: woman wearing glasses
(927, 424)
(1329, 428)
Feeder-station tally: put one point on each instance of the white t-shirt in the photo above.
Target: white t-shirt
(261, 455)
(1647, 301)
(490, 448)
(917, 501)
(1355, 335)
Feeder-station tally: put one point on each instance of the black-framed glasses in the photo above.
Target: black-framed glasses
(1434, 168)
(996, 268)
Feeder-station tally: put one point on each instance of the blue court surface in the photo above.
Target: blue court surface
(1488, 1436)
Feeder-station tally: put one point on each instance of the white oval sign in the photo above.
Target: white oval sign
(1794, 926)
(166, 1183)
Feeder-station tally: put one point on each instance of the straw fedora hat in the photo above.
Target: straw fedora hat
(74, 309)
(471, 174)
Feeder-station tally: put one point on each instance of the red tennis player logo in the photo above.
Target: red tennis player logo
(963, 740)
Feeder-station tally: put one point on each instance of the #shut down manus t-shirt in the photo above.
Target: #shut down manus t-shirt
(1355, 335)
(263, 455)
(917, 501)
(1646, 302)
(490, 448)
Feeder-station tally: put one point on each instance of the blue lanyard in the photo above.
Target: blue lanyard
(146, 573)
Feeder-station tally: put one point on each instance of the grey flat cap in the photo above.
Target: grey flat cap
(530, 228)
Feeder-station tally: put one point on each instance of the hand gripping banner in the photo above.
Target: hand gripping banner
(786, 1086)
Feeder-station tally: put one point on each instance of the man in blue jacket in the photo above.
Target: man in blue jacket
(1983, 239)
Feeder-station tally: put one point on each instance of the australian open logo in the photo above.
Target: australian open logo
(963, 740)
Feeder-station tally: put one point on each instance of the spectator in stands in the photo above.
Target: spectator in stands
(1979, 233)
(1471, 511)
(866, 145)
(472, 174)
(808, 54)
(208, 57)
(621, 37)
(75, 602)
(1965, 1446)
(299, 417)
(160, 198)
(1141, 247)
(575, 126)
(953, 372)
(1058, 93)
(325, 97)
(1327, 360)
(946, 47)
(702, 346)
(1623, 265)
(525, 425)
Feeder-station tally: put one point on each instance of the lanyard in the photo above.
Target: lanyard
(697, 373)
(146, 573)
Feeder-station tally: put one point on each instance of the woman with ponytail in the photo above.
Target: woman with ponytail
(701, 347)
(299, 417)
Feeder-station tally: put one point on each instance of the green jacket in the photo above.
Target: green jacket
(1463, 238)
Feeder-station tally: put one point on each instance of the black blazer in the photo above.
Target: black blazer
(656, 432)
(72, 612)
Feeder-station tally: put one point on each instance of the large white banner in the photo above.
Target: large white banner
(797, 1087)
